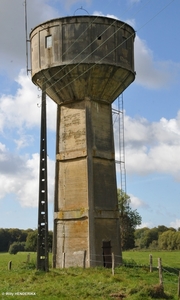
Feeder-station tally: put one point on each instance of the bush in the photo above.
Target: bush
(16, 247)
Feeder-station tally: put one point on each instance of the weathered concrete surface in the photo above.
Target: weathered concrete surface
(86, 63)
(86, 212)
(90, 57)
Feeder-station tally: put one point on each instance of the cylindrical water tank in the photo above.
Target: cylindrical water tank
(83, 56)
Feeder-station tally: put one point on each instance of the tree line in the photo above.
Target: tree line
(15, 240)
(159, 238)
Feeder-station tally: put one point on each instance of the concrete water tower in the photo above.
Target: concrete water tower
(84, 62)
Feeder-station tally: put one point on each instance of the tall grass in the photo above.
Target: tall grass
(135, 283)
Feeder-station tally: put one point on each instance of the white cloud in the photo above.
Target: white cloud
(137, 203)
(19, 176)
(24, 139)
(131, 22)
(150, 73)
(99, 13)
(21, 110)
(27, 192)
(20, 116)
(145, 224)
(175, 224)
(152, 147)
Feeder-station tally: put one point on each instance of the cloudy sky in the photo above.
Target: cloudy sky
(151, 103)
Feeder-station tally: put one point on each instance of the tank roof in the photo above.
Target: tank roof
(79, 17)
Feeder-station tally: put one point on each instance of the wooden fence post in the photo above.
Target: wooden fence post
(112, 263)
(9, 265)
(28, 258)
(179, 286)
(84, 259)
(150, 262)
(63, 260)
(160, 272)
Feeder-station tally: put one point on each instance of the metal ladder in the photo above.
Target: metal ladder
(119, 118)
(121, 144)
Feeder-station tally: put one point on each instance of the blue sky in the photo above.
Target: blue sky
(151, 103)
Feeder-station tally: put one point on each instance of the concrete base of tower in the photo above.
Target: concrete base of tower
(74, 249)
(71, 243)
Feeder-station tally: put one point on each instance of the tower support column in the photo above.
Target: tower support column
(86, 216)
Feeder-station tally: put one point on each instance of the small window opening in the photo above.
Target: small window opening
(99, 37)
(48, 41)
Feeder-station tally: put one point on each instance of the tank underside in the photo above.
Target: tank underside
(99, 82)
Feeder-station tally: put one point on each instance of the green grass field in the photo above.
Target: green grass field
(23, 281)
(169, 258)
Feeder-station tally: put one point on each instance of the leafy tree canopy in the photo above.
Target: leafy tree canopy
(129, 220)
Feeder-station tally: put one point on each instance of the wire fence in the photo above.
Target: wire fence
(164, 275)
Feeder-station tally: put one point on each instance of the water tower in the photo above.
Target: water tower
(84, 63)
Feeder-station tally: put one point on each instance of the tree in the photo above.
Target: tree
(149, 237)
(4, 240)
(17, 235)
(168, 240)
(16, 247)
(31, 241)
(178, 240)
(139, 235)
(162, 228)
(129, 219)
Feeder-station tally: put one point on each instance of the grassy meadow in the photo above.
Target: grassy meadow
(169, 258)
(133, 281)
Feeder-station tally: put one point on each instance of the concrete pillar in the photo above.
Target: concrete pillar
(86, 207)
